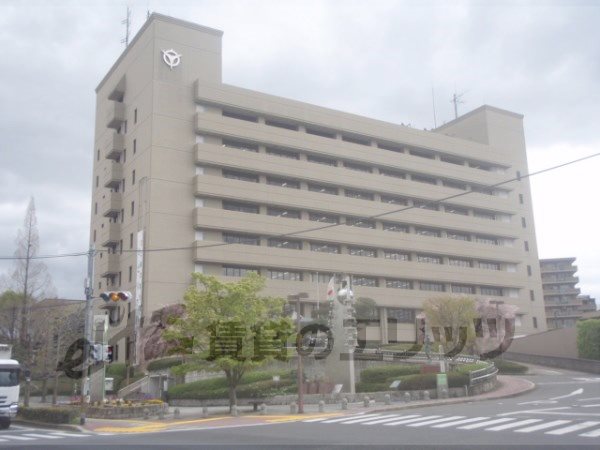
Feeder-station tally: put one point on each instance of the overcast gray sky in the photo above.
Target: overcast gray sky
(378, 58)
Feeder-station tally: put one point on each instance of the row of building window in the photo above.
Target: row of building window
(364, 223)
(427, 179)
(363, 140)
(395, 255)
(364, 280)
(371, 196)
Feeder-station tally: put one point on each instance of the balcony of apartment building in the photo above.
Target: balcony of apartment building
(552, 291)
(113, 175)
(110, 234)
(108, 265)
(115, 115)
(560, 280)
(555, 268)
(114, 145)
(112, 204)
(566, 313)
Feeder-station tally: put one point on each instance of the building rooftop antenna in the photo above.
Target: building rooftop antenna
(456, 99)
(127, 22)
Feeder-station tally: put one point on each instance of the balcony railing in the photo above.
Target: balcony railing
(110, 234)
(113, 175)
(109, 265)
(112, 205)
(115, 115)
(114, 146)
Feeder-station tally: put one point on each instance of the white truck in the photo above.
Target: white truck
(9, 386)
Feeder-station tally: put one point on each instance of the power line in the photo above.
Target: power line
(322, 227)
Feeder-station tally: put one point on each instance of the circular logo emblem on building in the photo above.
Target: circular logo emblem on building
(171, 58)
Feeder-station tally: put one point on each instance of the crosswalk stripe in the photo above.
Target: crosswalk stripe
(571, 428)
(3, 440)
(594, 433)
(401, 422)
(508, 426)
(542, 426)
(429, 422)
(390, 419)
(460, 422)
(18, 438)
(485, 424)
(347, 418)
(363, 419)
(45, 436)
(318, 419)
(65, 434)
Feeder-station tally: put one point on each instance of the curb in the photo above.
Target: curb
(532, 386)
(59, 426)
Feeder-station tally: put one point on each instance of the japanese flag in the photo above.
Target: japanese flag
(331, 289)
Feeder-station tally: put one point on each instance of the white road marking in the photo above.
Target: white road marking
(576, 392)
(365, 419)
(318, 419)
(460, 422)
(65, 434)
(540, 411)
(588, 379)
(590, 406)
(542, 426)
(418, 419)
(595, 433)
(339, 419)
(486, 423)
(539, 402)
(513, 425)
(45, 436)
(593, 399)
(571, 428)
(18, 438)
(429, 422)
(374, 422)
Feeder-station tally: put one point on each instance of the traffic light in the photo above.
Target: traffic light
(96, 352)
(115, 296)
(108, 353)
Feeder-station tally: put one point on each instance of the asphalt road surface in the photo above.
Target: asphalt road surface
(563, 412)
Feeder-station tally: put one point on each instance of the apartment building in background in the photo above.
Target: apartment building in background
(184, 164)
(562, 299)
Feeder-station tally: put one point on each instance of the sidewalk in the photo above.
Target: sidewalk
(509, 386)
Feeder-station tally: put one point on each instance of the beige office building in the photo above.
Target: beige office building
(298, 192)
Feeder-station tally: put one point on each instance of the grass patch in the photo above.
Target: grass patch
(383, 374)
(510, 367)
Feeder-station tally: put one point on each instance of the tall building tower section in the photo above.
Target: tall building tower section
(194, 175)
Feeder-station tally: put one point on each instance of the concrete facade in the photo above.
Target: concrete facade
(564, 305)
(223, 180)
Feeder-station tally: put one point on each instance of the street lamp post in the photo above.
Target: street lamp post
(299, 370)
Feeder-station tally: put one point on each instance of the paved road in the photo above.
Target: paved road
(563, 412)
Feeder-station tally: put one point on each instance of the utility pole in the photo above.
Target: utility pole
(456, 99)
(300, 368)
(89, 295)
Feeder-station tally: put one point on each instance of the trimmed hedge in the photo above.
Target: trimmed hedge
(252, 385)
(588, 338)
(383, 374)
(50, 415)
(415, 382)
(466, 368)
(509, 367)
(164, 363)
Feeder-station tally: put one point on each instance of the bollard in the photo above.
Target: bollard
(407, 397)
(321, 406)
(263, 409)
(205, 411)
(176, 413)
(426, 395)
(344, 403)
(466, 391)
(293, 408)
(366, 401)
(82, 419)
(416, 395)
(161, 414)
(146, 413)
(234, 411)
(444, 393)
(387, 399)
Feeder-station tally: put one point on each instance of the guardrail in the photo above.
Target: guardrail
(482, 375)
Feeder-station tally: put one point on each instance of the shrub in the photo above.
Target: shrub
(363, 386)
(50, 415)
(588, 338)
(383, 374)
(164, 363)
(509, 367)
(466, 368)
(116, 370)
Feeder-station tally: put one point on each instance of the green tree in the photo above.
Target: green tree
(448, 315)
(588, 338)
(366, 309)
(233, 327)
